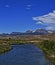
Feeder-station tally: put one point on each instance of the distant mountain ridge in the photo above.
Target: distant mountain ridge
(39, 31)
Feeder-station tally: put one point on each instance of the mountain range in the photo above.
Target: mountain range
(39, 31)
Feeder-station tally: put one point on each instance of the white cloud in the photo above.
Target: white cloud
(28, 7)
(48, 19)
(7, 6)
(50, 28)
(39, 22)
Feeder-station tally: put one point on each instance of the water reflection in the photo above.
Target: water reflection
(28, 54)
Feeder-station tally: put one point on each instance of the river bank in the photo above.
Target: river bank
(47, 46)
(5, 48)
(25, 54)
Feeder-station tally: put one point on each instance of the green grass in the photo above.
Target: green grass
(4, 48)
(47, 46)
(49, 49)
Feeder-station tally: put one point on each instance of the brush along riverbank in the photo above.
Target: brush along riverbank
(47, 46)
(5, 48)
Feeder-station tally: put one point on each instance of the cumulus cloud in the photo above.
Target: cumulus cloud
(48, 19)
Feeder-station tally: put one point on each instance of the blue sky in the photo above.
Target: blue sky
(22, 15)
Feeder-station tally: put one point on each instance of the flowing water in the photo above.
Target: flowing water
(28, 54)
